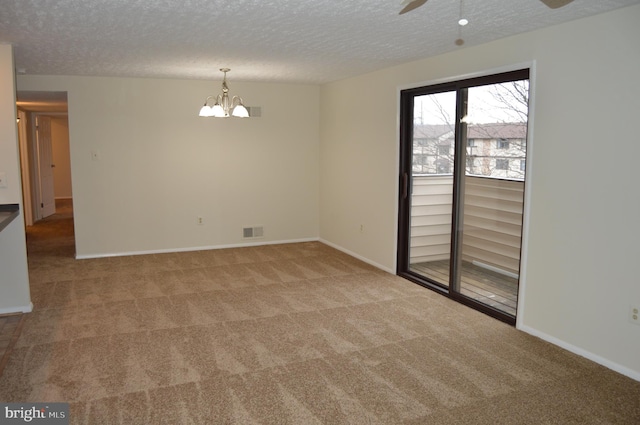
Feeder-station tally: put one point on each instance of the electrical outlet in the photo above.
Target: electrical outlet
(634, 314)
(199, 221)
(3, 179)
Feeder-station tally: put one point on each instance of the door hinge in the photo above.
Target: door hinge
(41, 205)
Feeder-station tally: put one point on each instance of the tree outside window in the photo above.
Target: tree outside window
(496, 131)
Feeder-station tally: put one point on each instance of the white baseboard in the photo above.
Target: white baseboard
(190, 249)
(19, 309)
(359, 257)
(633, 374)
(239, 245)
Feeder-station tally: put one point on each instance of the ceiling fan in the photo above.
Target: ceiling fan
(409, 5)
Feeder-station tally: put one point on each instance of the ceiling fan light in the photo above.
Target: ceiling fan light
(462, 22)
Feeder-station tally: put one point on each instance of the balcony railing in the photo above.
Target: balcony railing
(492, 221)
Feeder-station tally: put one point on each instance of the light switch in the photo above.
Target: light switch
(3, 179)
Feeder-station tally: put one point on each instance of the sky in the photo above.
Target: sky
(495, 103)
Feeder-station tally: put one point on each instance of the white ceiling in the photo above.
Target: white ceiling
(302, 41)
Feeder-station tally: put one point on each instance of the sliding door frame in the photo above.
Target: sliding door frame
(405, 185)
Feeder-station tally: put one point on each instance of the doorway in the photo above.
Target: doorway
(463, 150)
(43, 134)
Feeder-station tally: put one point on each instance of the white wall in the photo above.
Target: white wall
(61, 157)
(14, 277)
(160, 165)
(583, 232)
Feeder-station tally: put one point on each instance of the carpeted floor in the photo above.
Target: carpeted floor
(282, 334)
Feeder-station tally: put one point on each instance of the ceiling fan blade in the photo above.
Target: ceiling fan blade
(412, 5)
(556, 4)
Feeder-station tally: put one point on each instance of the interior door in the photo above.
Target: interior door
(462, 176)
(44, 150)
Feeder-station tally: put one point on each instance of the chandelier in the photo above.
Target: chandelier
(224, 107)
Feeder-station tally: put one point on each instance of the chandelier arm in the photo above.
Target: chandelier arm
(237, 100)
(207, 100)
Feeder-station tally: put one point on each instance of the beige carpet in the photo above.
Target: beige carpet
(283, 334)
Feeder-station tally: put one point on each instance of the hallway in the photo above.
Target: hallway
(47, 240)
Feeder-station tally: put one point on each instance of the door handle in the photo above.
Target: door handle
(405, 186)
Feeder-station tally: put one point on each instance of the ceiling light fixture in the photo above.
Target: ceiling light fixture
(461, 23)
(224, 107)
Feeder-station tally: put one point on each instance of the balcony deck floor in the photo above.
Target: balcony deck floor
(486, 286)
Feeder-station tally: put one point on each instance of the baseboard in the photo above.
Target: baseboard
(633, 374)
(191, 249)
(19, 309)
(359, 257)
(63, 198)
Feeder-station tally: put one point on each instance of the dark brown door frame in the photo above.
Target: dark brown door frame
(405, 186)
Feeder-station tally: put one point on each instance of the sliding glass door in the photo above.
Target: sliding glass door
(463, 159)
(431, 182)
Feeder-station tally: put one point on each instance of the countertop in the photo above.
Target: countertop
(7, 213)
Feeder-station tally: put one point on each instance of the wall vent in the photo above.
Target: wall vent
(252, 232)
(254, 111)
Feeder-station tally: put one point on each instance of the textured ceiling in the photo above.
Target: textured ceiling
(305, 41)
